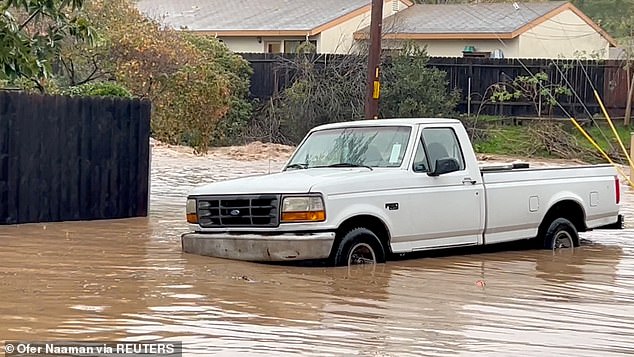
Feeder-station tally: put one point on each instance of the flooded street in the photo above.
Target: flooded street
(128, 280)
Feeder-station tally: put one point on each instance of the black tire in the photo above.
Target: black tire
(561, 233)
(361, 243)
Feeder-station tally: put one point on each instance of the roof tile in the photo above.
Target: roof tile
(466, 18)
(246, 15)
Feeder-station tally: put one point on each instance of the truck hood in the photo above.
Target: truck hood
(294, 181)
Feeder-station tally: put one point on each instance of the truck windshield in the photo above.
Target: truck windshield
(379, 146)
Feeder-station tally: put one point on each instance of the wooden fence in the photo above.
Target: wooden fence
(475, 75)
(65, 159)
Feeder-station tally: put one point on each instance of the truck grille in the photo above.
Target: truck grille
(238, 211)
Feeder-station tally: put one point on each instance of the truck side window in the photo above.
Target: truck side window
(442, 143)
(420, 158)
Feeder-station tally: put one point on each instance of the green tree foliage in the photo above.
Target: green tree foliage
(238, 73)
(31, 32)
(537, 89)
(197, 86)
(98, 89)
(615, 16)
(413, 89)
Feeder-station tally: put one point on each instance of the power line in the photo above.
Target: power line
(552, 97)
(568, 37)
(575, 92)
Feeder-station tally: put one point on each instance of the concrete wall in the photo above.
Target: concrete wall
(565, 35)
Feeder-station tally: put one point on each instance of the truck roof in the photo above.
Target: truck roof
(387, 122)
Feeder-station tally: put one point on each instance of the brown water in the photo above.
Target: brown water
(128, 280)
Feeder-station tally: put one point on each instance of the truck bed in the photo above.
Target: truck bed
(518, 197)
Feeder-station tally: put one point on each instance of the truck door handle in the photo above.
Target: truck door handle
(467, 180)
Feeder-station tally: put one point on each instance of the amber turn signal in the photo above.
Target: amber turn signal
(192, 218)
(308, 216)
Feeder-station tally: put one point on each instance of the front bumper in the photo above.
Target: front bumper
(260, 248)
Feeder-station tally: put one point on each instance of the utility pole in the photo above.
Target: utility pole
(374, 59)
(632, 155)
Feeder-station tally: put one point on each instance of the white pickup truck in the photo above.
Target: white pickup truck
(361, 191)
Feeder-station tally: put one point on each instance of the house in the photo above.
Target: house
(271, 26)
(552, 29)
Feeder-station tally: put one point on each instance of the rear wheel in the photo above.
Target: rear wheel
(359, 246)
(561, 234)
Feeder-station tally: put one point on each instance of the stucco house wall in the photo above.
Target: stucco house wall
(454, 48)
(565, 35)
(258, 44)
(243, 44)
(340, 38)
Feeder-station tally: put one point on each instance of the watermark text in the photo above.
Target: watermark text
(105, 349)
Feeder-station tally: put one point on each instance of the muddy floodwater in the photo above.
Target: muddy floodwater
(128, 280)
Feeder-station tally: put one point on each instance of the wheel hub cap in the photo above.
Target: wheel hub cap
(563, 240)
(361, 253)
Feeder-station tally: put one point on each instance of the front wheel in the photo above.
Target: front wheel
(561, 234)
(359, 246)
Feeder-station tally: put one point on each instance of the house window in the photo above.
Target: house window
(291, 46)
(273, 47)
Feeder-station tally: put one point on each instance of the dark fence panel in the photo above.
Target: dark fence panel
(486, 72)
(66, 159)
(476, 75)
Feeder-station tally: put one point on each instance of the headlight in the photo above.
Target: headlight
(303, 209)
(190, 210)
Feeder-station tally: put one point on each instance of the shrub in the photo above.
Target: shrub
(237, 71)
(413, 89)
(333, 91)
(320, 94)
(197, 86)
(99, 89)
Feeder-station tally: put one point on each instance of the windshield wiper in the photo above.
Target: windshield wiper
(348, 164)
(297, 166)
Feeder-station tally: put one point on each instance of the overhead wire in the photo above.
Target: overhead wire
(606, 114)
(618, 138)
(601, 105)
(556, 101)
(544, 37)
(605, 155)
(563, 76)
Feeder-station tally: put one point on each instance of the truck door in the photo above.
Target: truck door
(445, 210)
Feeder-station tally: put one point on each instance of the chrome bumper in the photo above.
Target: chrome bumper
(260, 248)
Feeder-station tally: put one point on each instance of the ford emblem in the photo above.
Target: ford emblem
(235, 212)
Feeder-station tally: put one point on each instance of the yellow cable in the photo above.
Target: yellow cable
(594, 143)
(607, 116)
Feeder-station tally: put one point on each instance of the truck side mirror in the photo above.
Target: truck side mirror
(445, 166)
